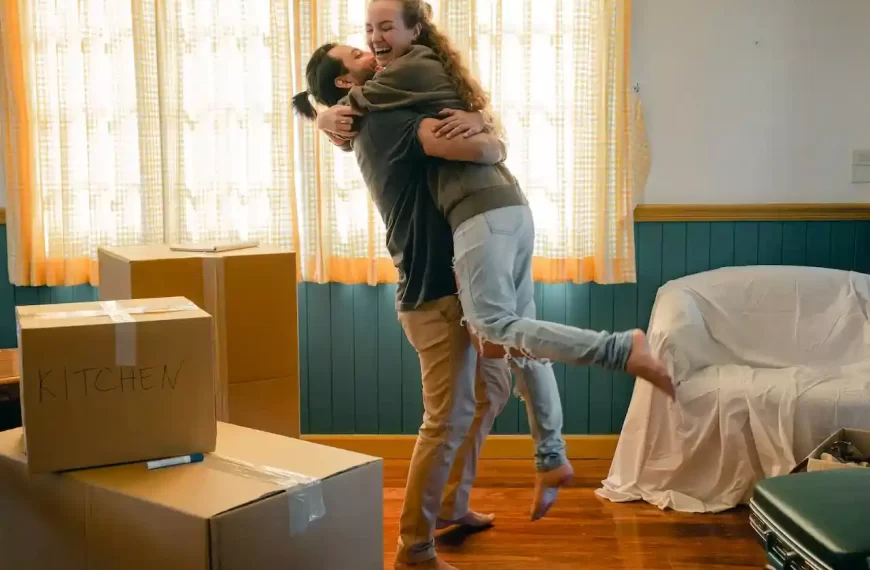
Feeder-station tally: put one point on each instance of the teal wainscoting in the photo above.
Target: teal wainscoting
(360, 375)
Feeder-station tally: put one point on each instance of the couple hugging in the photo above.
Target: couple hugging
(432, 156)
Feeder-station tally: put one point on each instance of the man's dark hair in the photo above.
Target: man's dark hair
(320, 74)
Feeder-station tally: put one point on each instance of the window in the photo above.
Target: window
(171, 121)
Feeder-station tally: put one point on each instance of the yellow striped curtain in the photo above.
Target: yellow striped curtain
(81, 149)
(557, 71)
(169, 121)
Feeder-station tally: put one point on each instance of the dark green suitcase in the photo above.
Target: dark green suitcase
(814, 521)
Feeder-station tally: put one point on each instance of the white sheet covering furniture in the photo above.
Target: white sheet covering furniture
(768, 362)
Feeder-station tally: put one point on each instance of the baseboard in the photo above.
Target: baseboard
(496, 446)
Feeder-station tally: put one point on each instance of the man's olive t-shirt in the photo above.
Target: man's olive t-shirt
(419, 239)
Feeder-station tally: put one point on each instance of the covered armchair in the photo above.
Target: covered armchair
(767, 362)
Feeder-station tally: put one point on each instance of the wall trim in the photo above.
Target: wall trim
(496, 446)
(750, 212)
(732, 212)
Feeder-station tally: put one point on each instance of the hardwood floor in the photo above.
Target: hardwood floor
(582, 531)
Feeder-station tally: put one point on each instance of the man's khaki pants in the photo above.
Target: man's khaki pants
(461, 399)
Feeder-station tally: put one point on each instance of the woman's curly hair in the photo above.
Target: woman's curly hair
(419, 12)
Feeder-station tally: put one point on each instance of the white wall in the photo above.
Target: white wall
(753, 101)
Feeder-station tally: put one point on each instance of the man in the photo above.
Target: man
(461, 395)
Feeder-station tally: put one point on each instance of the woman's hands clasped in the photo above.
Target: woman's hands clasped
(456, 122)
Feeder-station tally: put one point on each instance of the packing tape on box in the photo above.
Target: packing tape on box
(305, 493)
(125, 324)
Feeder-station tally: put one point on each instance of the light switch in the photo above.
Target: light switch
(861, 167)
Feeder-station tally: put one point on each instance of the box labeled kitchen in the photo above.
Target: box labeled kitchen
(114, 382)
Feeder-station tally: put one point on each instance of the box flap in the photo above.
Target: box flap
(259, 250)
(104, 312)
(212, 247)
(295, 455)
(214, 486)
(9, 369)
(12, 444)
(133, 253)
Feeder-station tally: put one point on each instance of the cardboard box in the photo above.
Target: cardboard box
(146, 271)
(249, 506)
(251, 293)
(10, 403)
(813, 462)
(106, 383)
(9, 373)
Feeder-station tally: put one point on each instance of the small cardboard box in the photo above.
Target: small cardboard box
(107, 383)
(251, 293)
(10, 403)
(261, 502)
(146, 271)
(813, 462)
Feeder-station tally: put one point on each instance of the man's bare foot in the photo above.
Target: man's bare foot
(547, 484)
(431, 564)
(642, 364)
(471, 520)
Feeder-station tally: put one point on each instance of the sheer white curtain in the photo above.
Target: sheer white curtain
(557, 72)
(149, 121)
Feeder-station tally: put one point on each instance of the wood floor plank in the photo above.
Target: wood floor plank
(582, 531)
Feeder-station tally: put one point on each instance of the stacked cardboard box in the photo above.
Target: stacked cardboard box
(105, 383)
(260, 502)
(251, 293)
(10, 403)
(107, 386)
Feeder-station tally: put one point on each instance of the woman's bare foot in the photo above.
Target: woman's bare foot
(547, 484)
(642, 364)
(472, 520)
